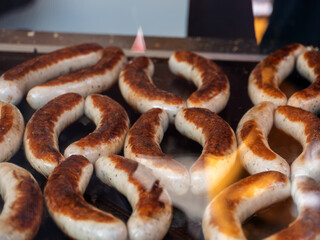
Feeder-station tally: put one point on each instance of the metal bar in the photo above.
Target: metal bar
(215, 49)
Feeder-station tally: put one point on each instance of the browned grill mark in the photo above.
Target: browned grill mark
(149, 204)
(310, 121)
(313, 60)
(111, 57)
(214, 128)
(265, 72)
(276, 57)
(6, 120)
(252, 137)
(211, 87)
(114, 122)
(229, 200)
(18, 72)
(135, 76)
(63, 195)
(143, 131)
(28, 206)
(40, 128)
(310, 92)
(214, 80)
(218, 135)
(261, 106)
(143, 144)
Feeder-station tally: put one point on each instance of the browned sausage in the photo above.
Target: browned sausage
(212, 83)
(218, 157)
(137, 89)
(44, 127)
(23, 203)
(16, 82)
(266, 77)
(142, 144)
(95, 79)
(151, 203)
(112, 124)
(66, 205)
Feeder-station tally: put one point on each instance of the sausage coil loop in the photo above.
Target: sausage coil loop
(68, 208)
(151, 204)
(23, 203)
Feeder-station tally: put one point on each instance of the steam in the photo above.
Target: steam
(216, 179)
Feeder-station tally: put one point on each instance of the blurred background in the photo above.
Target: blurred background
(277, 21)
(157, 18)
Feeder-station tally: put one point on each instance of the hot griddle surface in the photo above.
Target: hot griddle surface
(183, 226)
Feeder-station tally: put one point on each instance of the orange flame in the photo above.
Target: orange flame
(139, 44)
(219, 176)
